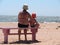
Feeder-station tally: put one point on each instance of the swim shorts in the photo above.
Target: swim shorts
(22, 25)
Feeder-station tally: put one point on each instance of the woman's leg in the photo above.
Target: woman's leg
(25, 33)
(19, 33)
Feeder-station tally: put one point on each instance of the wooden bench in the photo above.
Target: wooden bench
(6, 32)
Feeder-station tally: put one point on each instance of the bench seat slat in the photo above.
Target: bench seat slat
(17, 33)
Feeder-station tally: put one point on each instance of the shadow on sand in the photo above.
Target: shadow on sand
(25, 42)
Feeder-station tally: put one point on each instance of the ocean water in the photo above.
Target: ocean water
(6, 18)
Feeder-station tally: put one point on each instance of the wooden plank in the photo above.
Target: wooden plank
(17, 33)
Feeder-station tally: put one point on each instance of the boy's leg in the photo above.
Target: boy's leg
(33, 34)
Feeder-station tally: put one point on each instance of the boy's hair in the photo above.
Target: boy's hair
(33, 15)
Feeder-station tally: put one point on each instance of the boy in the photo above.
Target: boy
(34, 26)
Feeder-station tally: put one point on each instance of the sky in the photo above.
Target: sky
(40, 7)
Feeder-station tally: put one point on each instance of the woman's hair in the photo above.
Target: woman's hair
(33, 15)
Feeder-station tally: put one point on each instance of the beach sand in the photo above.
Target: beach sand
(48, 34)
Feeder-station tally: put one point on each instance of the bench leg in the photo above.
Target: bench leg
(5, 38)
(5, 31)
(19, 34)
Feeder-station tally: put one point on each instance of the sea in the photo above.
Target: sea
(42, 19)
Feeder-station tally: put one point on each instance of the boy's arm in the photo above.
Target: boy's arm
(36, 23)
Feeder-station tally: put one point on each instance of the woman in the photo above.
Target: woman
(23, 20)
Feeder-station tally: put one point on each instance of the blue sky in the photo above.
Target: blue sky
(41, 7)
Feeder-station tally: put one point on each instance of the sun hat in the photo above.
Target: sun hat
(25, 7)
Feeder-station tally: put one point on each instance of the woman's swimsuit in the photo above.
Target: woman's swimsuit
(22, 25)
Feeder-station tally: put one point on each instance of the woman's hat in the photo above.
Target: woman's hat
(25, 7)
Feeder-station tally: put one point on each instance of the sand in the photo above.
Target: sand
(48, 34)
